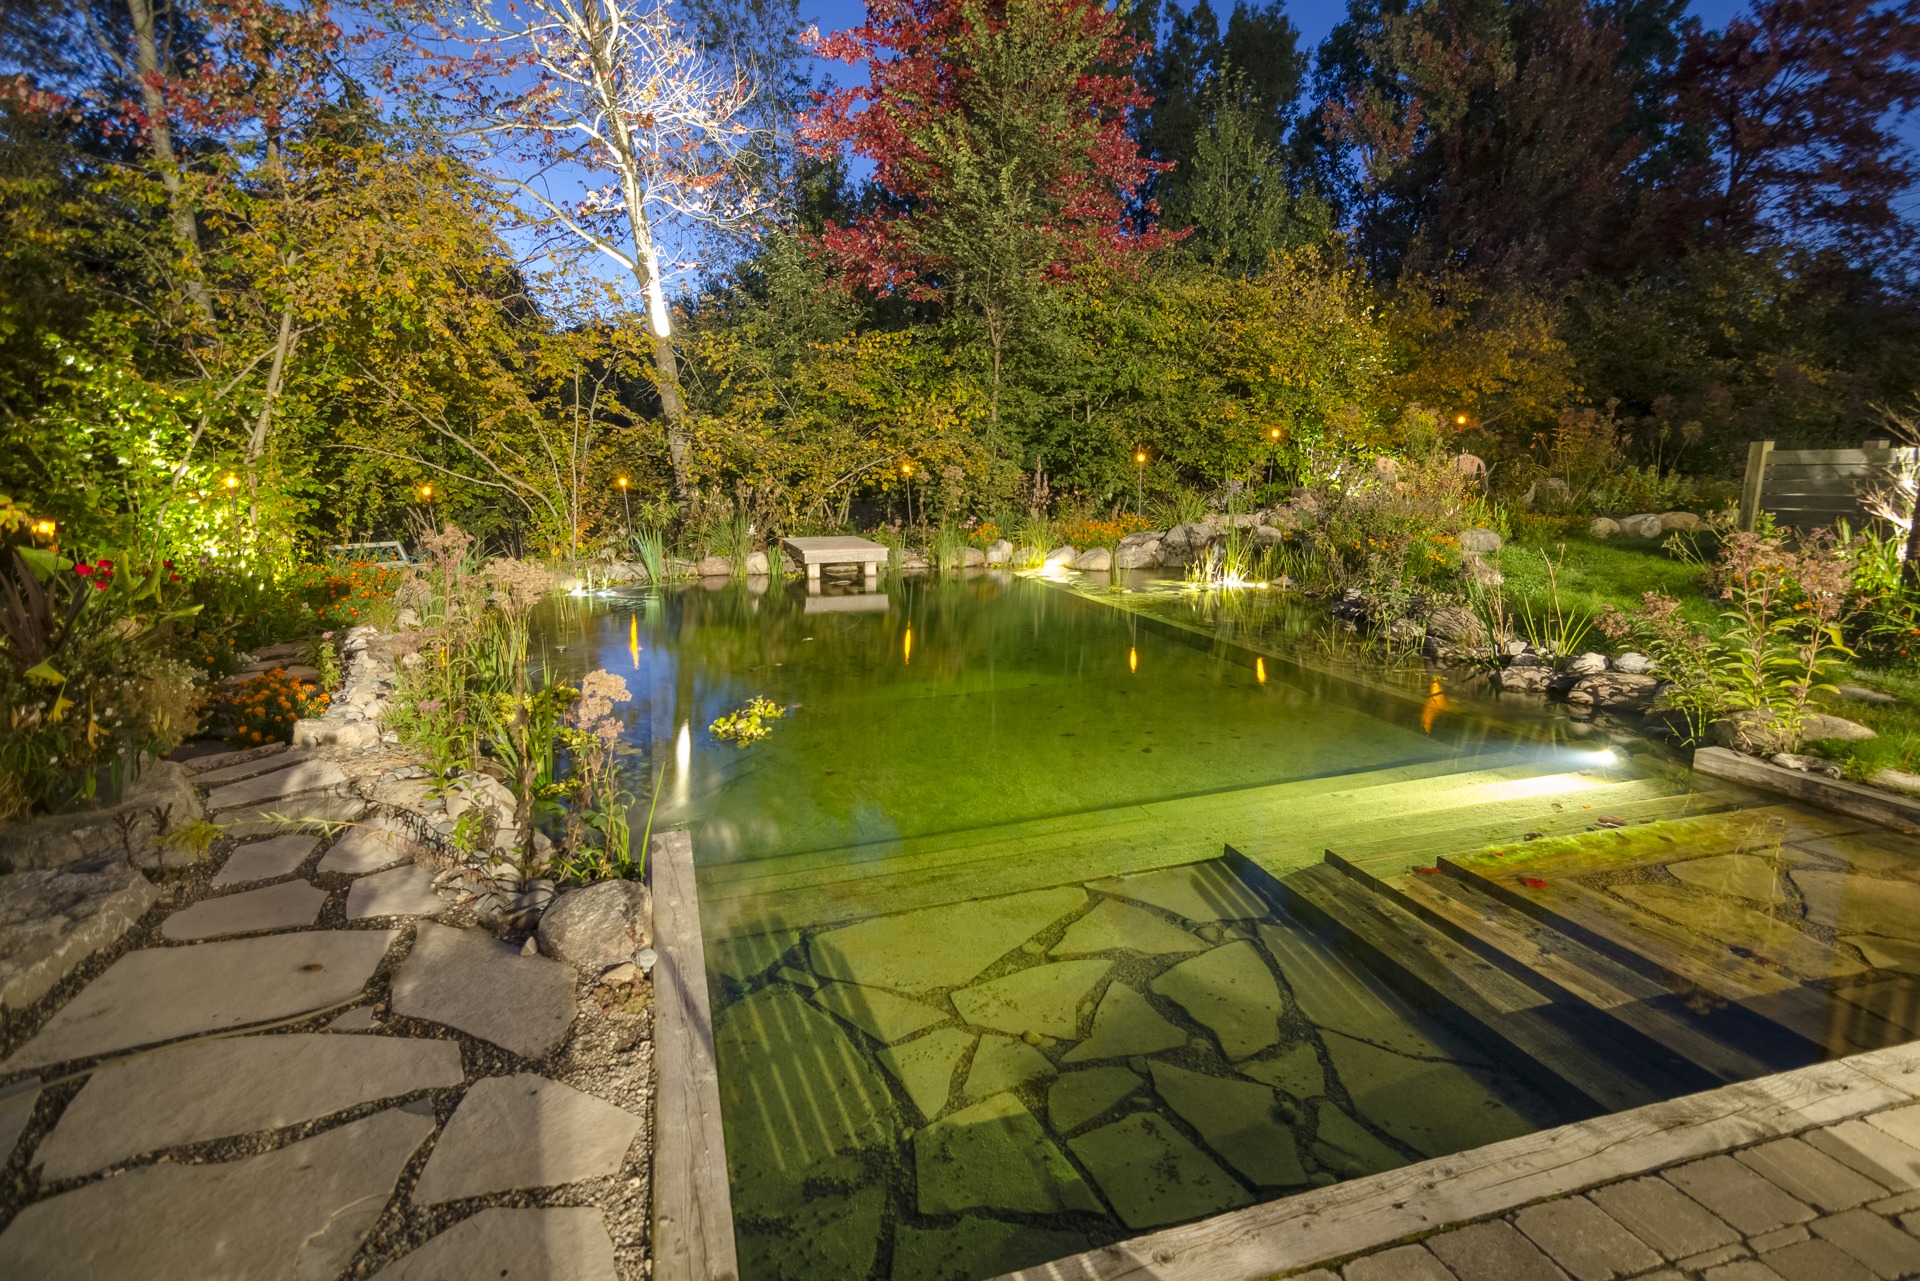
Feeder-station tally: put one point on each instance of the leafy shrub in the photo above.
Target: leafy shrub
(264, 708)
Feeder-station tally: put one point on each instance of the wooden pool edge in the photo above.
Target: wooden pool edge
(692, 1221)
(1278, 1238)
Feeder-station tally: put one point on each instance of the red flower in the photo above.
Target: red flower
(1533, 882)
(99, 584)
(105, 564)
(83, 569)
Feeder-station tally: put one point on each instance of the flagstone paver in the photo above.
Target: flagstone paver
(922, 951)
(162, 1100)
(1344, 1146)
(1004, 1063)
(52, 919)
(304, 776)
(1297, 1071)
(474, 982)
(1078, 1097)
(881, 1015)
(975, 1247)
(995, 1156)
(1152, 1174)
(368, 847)
(1114, 926)
(1232, 992)
(524, 1131)
(16, 1109)
(266, 860)
(1204, 892)
(1125, 1025)
(565, 1244)
(1433, 1107)
(1046, 1000)
(286, 906)
(1238, 1119)
(360, 1020)
(403, 891)
(157, 994)
(300, 1211)
(1741, 875)
(924, 1067)
(248, 768)
(743, 957)
(295, 814)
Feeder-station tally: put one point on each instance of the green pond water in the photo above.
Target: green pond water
(989, 985)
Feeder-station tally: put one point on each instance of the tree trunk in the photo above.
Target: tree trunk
(160, 143)
(1912, 567)
(276, 379)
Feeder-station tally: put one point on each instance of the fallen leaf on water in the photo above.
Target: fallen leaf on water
(1533, 882)
(1427, 871)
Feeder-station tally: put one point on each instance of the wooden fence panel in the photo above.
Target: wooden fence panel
(1812, 488)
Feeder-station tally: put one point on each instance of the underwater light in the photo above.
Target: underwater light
(1605, 756)
(1260, 670)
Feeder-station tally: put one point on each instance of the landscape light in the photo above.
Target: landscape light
(43, 528)
(426, 493)
(233, 481)
(1605, 756)
(1273, 433)
(1140, 457)
(1460, 420)
(622, 482)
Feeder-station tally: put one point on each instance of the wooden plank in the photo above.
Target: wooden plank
(1533, 951)
(1429, 965)
(692, 1203)
(1293, 1233)
(1756, 479)
(1831, 457)
(1889, 809)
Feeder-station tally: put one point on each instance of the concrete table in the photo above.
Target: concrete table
(815, 552)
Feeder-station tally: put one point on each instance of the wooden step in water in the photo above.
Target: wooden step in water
(1704, 971)
(1546, 1038)
(1564, 968)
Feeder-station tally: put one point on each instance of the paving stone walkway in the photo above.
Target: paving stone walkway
(1837, 1203)
(301, 1058)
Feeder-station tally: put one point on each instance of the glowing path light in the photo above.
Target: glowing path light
(633, 639)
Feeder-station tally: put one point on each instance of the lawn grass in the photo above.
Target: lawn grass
(1897, 724)
(1592, 573)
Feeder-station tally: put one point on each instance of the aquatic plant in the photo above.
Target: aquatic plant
(749, 724)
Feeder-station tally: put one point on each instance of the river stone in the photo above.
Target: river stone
(1239, 1120)
(1233, 993)
(743, 958)
(1435, 1108)
(1198, 891)
(808, 1100)
(1115, 926)
(299, 1212)
(1125, 1025)
(1078, 1097)
(1003, 1063)
(1141, 555)
(1152, 1175)
(922, 951)
(1343, 1146)
(16, 1109)
(599, 925)
(975, 1247)
(1046, 999)
(53, 919)
(1901, 955)
(1297, 1072)
(1743, 929)
(158, 994)
(369, 847)
(1342, 998)
(303, 776)
(162, 1100)
(1633, 664)
(924, 1067)
(265, 860)
(98, 833)
(472, 981)
(403, 891)
(999, 552)
(995, 1156)
(1602, 527)
(286, 906)
(822, 1238)
(881, 1015)
(1741, 875)
(1094, 560)
(567, 1243)
(516, 1132)
(1478, 542)
(301, 814)
(1613, 691)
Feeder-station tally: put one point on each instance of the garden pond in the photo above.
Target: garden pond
(998, 965)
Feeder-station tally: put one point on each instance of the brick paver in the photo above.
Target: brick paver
(1738, 1195)
(1664, 1217)
(1405, 1263)
(1811, 1175)
(1585, 1240)
(1872, 1152)
(1880, 1245)
(1493, 1252)
(1815, 1261)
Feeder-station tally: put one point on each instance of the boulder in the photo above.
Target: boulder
(1062, 555)
(1479, 542)
(1613, 692)
(95, 834)
(1898, 780)
(1588, 664)
(624, 571)
(1094, 560)
(1456, 625)
(1137, 555)
(1602, 527)
(1752, 732)
(999, 552)
(757, 564)
(713, 567)
(1142, 537)
(973, 558)
(677, 567)
(1643, 525)
(1806, 764)
(1265, 536)
(330, 731)
(1633, 664)
(914, 562)
(598, 926)
(1517, 679)
(1819, 725)
(1680, 522)
(1483, 572)
(53, 919)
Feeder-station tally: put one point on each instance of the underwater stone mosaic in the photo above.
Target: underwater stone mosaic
(952, 1093)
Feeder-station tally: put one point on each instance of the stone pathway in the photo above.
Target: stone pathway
(302, 1058)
